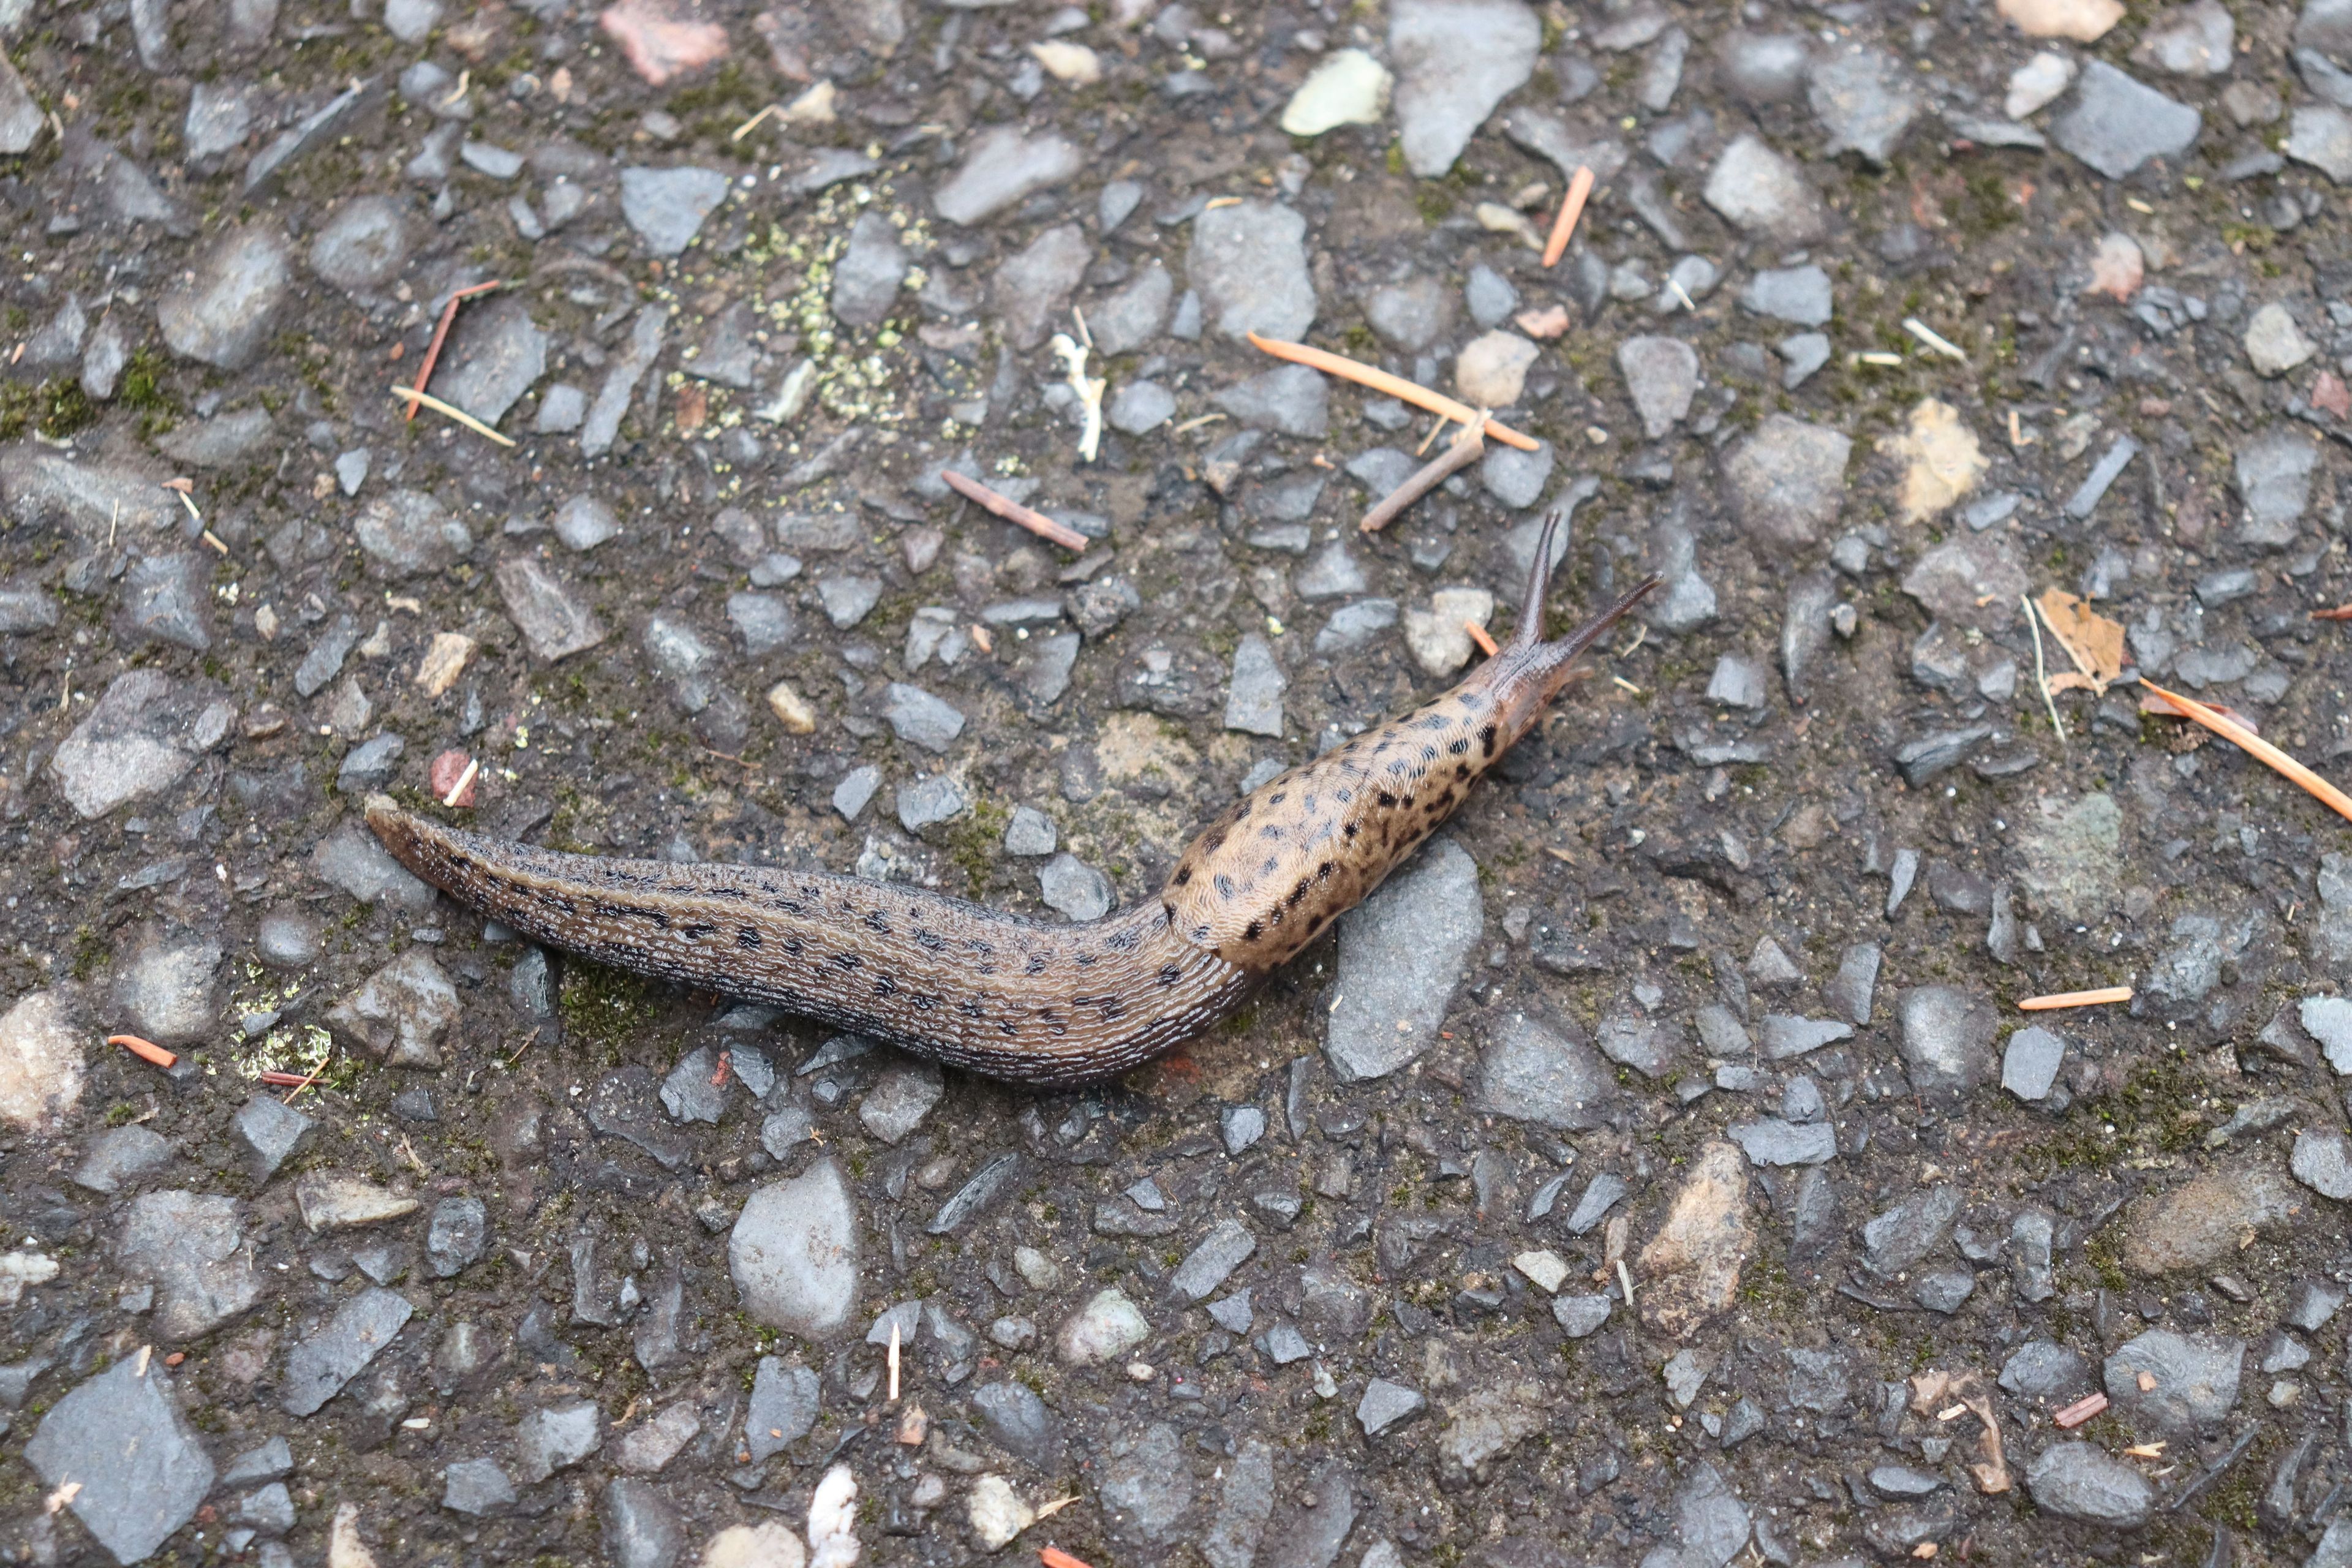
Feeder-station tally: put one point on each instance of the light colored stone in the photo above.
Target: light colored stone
(41, 1071)
(1689, 1271)
(2084, 21)
(1437, 636)
(1941, 459)
(1492, 369)
(1350, 87)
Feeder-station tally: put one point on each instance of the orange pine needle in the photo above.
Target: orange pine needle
(1478, 635)
(1396, 386)
(2340, 613)
(2238, 735)
(1013, 511)
(145, 1050)
(2076, 999)
(1571, 207)
(1055, 1557)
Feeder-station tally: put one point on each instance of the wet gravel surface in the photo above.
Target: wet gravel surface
(1658, 1171)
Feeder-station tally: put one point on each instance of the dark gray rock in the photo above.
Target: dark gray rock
(783, 1407)
(554, 620)
(1018, 1422)
(223, 308)
(1291, 399)
(1859, 96)
(866, 279)
(1032, 285)
(476, 1488)
(666, 206)
(642, 1529)
(193, 1249)
(120, 1157)
(457, 1234)
(408, 531)
(1401, 953)
(365, 245)
(1786, 482)
(142, 736)
(2081, 1480)
(119, 1438)
(2117, 123)
(1765, 193)
(1947, 1044)
(272, 1132)
(168, 599)
(317, 1368)
(2192, 1380)
(1455, 60)
(1531, 1072)
(556, 1438)
(1002, 166)
(1248, 263)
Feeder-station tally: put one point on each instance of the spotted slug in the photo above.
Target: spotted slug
(1015, 998)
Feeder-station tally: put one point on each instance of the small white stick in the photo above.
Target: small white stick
(1929, 336)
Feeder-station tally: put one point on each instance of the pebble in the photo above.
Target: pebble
(1253, 696)
(272, 1132)
(1650, 1046)
(547, 609)
(495, 355)
(1032, 285)
(919, 719)
(1128, 319)
(402, 1014)
(2198, 39)
(139, 1470)
(1739, 681)
(2193, 1379)
(668, 207)
(2117, 123)
(167, 989)
(1103, 1330)
(120, 1157)
(640, 1528)
(1946, 1043)
(2323, 1162)
(317, 1367)
(2275, 343)
(225, 307)
(354, 859)
(1693, 1264)
(1765, 193)
(457, 1234)
(2273, 476)
(477, 1487)
(1400, 955)
(1076, 889)
(1437, 637)
(2029, 1062)
(602, 423)
(140, 738)
(1000, 167)
(1662, 377)
(2320, 135)
(1455, 61)
(1290, 399)
(2203, 1220)
(794, 1253)
(1797, 294)
(1018, 1422)
(1248, 263)
(782, 1408)
(556, 1438)
(1385, 1405)
(1774, 1141)
(1491, 371)
(900, 1098)
(193, 1249)
(1860, 97)
(1787, 481)
(1146, 1487)
(1531, 1072)
(1213, 1261)
(2081, 1480)
(1029, 831)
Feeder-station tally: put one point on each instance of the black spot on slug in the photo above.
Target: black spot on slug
(748, 937)
(847, 961)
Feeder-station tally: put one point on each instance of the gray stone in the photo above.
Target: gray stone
(317, 1368)
(2030, 1063)
(325, 660)
(2323, 1162)
(623, 372)
(1516, 478)
(1860, 97)
(1531, 1072)
(457, 1234)
(1254, 698)
(192, 1248)
(167, 989)
(168, 599)
(1146, 1489)
(900, 1098)
(1208, 1266)
(666, 206)
(2275, 343)
(21, 120)
(647, 1448)
(137, 1466)
(220, 442)
(931, 800)
(1385, 1405)
(1802, 353)
(223, 308)
(1774, 1141)
(1787, 481)
(26, 607)
(1489, 295)
(1032, 285)
(272, 1132)
(1764, 193)
(794, 1253)
(1001, 167)
(855, 790)
(1580, 1316)
(686, 665)
(1600, 1196)
(1797, 294)
(1417, 313)
(2117, 123)
(1662, 377)
(848, 600)
(368, 766)
(2081, 1480)
(2198, 39)
(142, 736)
(494, 355)
(2320, 135)
(920, 718)
(120, 1156)
(477, 1487)
(866, 279)
(1240, 1126)
(1129, 318)
(1139, 406)
(402, 1014)
(1248, 263)
(640, 1528)
(1947, 1042)
(2274, 477)
(2193, 1379)
(1290, 399)
(1018, 1422)
(556, 1438)
(1402, 952)
(1759, 69)
(782, 1408)
(354, 859)
(1030, 832)
(1651, 1047)
(2069, 857)
(585, 521)
(1243, 1506)
(1073, 888)
(1905, 1233)
(1455, 60)
(1783, 1035)
(554, 622)
(1105, 1326)
(1352, 627)
(408, 531)
(365, 245)
(2040, 1369)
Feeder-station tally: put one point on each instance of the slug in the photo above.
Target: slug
(1012, 998)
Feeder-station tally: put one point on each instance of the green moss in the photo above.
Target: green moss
(972, 842)
(56, 408)
(603, 1007)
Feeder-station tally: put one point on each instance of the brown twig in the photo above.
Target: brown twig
(1459, 454)
(1396, 386)
(441, 335)
(145, 1050)
(1571, 207)
(1013, 511)
(277, 1079)
(2237, 735)
(2082, 1410)
(2075, 999)
(2340, 613)
(1055, 1557)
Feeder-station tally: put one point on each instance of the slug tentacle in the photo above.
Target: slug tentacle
(1014, 998)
